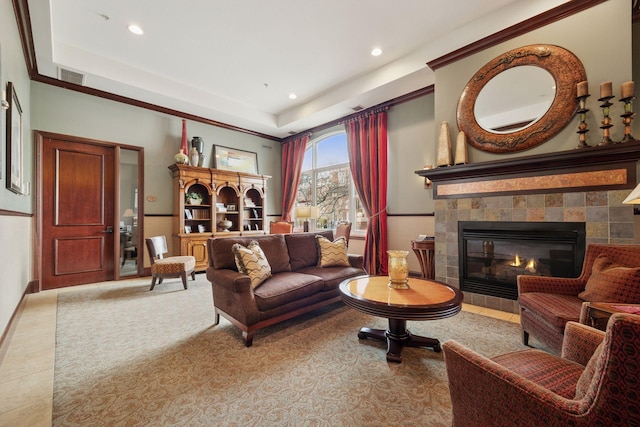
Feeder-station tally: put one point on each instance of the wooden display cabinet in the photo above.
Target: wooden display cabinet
(237, 197)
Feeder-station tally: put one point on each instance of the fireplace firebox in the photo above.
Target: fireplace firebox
(492, 253)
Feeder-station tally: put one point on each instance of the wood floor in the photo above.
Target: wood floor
(26, 371)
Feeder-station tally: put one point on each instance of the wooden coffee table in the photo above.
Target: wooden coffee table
(424, 300)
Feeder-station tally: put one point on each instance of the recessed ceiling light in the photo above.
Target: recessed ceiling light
(292, 96)
(376, 52)
(135, 29)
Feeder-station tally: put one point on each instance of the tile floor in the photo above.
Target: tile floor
(26, 371)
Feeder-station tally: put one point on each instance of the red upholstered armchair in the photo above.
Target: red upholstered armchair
(536, 388)
(610, 273)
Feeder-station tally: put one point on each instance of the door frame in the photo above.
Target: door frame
(39, 137)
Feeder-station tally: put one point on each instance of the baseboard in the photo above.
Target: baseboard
(7, 334)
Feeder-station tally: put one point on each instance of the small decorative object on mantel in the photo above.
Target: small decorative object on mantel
(583, 128)
(605, 97)
(398, 269)
(627, 97)
(427, 182)
(444, 146)
(461, 150)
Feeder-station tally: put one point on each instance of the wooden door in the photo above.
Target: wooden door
(78, 192)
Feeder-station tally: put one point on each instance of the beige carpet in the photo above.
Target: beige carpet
(129, 357)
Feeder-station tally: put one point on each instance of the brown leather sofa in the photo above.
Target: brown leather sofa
(297, 285)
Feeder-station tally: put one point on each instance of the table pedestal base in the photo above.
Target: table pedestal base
(397, 337)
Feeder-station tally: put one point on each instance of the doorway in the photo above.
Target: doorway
(78, 210)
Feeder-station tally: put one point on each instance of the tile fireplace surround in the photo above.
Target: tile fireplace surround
(607, 221)
(600, 205)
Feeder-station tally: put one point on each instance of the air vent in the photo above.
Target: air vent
(357, 108)
(70, 76)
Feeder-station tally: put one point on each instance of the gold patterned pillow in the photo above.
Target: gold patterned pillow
(332, 254)
(252, 262)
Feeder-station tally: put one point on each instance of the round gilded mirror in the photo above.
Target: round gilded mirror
(520, 99)
(525, 95)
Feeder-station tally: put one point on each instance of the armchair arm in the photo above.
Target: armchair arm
(484, 394)
(550, 285)
(580, 341)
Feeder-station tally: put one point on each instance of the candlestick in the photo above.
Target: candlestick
(606, 120)
(606, 90)
(583, 88)
(583, 128)
(627, 116)
(626, 90)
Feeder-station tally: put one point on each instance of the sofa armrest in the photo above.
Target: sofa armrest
(481, 389)
(356, 261)
(580, 341)
(233, 295)
(550, 285)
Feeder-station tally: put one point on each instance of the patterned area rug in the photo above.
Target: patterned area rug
(127, 356)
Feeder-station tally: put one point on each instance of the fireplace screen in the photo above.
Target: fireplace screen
(493, 254)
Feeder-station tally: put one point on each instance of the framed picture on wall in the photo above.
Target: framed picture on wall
(14, 141)
(231, 159)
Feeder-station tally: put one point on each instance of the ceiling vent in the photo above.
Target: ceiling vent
(357, 108)
(70, 76)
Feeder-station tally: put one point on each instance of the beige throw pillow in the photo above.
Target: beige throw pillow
(332, 254)
(252, 262)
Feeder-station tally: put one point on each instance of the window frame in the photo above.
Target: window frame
(314, 171)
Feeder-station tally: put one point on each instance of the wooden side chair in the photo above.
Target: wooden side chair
(175, 266)
(280, 227)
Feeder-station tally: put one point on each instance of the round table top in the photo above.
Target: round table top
(424, 300)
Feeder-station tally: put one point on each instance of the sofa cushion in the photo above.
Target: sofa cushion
(611, 282)
(556, 309)
(273, 246)
(252, 262)
(551, 372)
(332, 254)
(332, 276)
(302, 248)
(286, 287)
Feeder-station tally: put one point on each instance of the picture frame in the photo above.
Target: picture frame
(187, 229)
(232, 159)
(187, 214)
(231, 208)
(14, 141)
(201, 228)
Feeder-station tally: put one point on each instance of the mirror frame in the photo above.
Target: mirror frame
(567, 71)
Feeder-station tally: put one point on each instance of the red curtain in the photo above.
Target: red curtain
(367, 142)
(292, 158)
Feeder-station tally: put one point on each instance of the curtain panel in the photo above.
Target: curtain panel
(367, 143)
(292, 158)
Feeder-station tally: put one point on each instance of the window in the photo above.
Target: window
(326, 183)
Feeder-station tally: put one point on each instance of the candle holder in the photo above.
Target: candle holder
(627, 118)
(606, 120)
(398, 269)
(583, 128)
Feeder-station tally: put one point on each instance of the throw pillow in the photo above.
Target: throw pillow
(611, 282)
(252, 262)
(332, 254)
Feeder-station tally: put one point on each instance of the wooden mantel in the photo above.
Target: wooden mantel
(609, 167)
